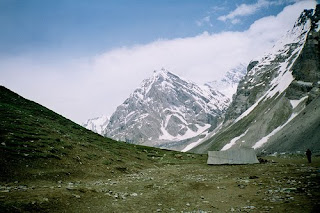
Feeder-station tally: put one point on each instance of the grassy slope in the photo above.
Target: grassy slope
(38, 143)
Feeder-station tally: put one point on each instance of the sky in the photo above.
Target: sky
(83, 58)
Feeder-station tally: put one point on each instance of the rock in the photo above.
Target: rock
(288, 190)
(179, 156)
(70, 188)
(249, 207)
(221, 187)
(76, 196)
(241, 186)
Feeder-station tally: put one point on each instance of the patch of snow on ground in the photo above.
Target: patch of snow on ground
(233, 141)
(190, 146)
(266, 138)
(295, 103)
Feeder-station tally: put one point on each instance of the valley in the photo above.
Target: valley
(50, 164)
(150, 155)
(186, 184)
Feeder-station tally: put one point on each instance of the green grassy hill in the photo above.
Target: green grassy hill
(37, 143)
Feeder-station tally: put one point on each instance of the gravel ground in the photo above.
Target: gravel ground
(283, 184)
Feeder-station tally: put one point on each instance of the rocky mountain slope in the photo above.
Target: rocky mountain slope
(276, 107)
(166, 109)
(169, 112)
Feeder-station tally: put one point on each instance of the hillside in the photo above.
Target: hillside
(37, 143)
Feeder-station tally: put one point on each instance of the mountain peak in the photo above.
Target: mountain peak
(162, 71)
(166, 109)
(164, 75)
(304, 17)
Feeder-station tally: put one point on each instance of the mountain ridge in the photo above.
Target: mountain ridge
(274, 92)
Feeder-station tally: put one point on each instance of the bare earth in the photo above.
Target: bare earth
(284, 184)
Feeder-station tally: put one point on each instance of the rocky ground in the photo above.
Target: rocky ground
(283, 184)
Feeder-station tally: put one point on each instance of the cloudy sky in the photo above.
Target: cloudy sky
(83, 58)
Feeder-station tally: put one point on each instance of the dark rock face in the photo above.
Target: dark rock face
(306, 70)
(277, 91)
(251, 65)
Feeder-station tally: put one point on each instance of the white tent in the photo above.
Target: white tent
(233, 156)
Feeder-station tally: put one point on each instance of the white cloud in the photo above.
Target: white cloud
(89, 87)
(235, 21)
(245, 9)
(204, 21)
(249, 9)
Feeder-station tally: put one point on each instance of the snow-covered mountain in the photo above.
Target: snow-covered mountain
(167, 111)
(97, 125)
(229, 83)
(276, 107)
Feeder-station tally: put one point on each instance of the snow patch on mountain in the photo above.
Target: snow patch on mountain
(265, 138)
(233, 141)
(97, 124)
(295, 103)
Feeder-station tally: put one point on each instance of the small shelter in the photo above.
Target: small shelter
(232, 156)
